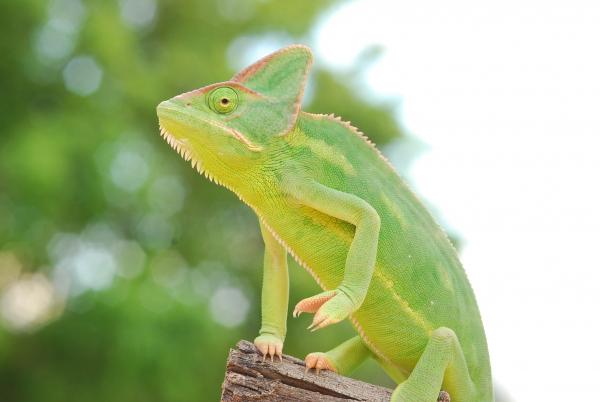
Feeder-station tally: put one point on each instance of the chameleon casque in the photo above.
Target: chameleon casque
(324, 194)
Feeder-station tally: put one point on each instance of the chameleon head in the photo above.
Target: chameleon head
(223, 128)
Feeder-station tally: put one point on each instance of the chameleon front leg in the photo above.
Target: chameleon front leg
(333, 306)
(274, 297)
(342, 359)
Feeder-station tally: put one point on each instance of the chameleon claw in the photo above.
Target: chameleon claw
(321, 325)
(263, 349)
(311, 327)
(319, 321)
(271, 351)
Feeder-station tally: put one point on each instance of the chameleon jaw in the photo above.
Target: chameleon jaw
(182, 150)
(188, 155)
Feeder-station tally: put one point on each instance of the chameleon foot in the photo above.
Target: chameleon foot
(318, 361)
(312, 304)
(269, 345)
(329, 307)
(444, 397)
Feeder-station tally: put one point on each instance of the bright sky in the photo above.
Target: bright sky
(507, 96)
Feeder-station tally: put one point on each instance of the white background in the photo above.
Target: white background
(506, 96)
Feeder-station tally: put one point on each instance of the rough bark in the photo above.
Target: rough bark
(248, 378)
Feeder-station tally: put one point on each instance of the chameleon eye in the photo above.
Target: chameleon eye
(223, 100)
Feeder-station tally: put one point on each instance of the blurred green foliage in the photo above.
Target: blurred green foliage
(124, 275)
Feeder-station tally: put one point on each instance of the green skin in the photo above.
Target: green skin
(325, 195)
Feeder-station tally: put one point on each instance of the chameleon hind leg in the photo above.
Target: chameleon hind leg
(342, 359)
(346, 357)
(442, 361)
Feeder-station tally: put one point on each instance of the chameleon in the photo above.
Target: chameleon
(324, 194)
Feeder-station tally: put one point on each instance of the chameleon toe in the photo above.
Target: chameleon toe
(269, 346)
(319, 361)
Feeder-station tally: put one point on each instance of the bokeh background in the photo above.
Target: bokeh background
(125, 276)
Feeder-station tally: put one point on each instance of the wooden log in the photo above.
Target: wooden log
(248, 378)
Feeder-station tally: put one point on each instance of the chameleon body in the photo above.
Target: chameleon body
(324, 194)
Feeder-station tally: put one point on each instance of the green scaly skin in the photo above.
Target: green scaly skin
(325, 195)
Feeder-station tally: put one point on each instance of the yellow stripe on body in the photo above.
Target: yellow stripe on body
(394, 209)
(329, 153)
(404, 306)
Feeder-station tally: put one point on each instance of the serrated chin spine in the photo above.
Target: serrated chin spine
(188, 155)
(184, 152)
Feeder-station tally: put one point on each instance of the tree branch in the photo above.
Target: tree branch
(248, 378)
